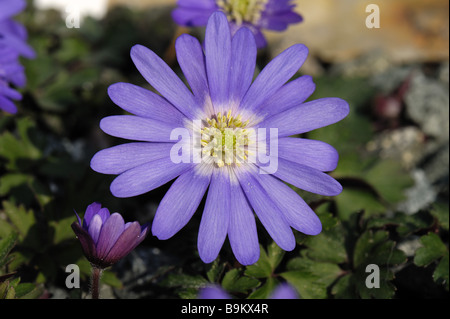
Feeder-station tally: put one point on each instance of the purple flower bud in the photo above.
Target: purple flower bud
(105, 238)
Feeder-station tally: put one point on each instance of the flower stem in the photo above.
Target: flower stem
(95, 284)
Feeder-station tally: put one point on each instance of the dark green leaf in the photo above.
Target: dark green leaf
(327, 246)
(406, 224)
(6, 244)
(234, 282)
(22, 219)
(307, 284)
(344, 288)
(265, 290)
(326, 272)
(441, 212)
(389, 179)
(109, 278)
(267, 262)
(433, 248)
(352, 200)
(386, 289)
(215, 271)
(440, 274)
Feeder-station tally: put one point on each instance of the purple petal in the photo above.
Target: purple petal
(258, 36)
(137, 128)
(14, 72)
(284, 291)
(94, 227)
(214, 223)
(7, 106)
(315, 154)
(144, 103)
(165, 81)
(275, 6)
(78, 217)
(274, 75)
(191, 59)
(17, 29)
(308, 116)
(126, 242)
(91, 211)
(87, 244)
(213, 292)
(242, 231)
(307, 178)
(10, 8)
(104, 214)
(197, 4)
(191, 17)
(290, 95)
(10, 93)
(144, 178)
(179, 204)
(144, 232)
(193, 12)
(267, 211)
(297, 213)
(19, 45)
(243, 62)
(279, 21)
(218, 59)
(109, 234)
(120, 158)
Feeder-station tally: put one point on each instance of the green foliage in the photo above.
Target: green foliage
(10, 286)
(13, 289)
(6, 245)
(433, 250)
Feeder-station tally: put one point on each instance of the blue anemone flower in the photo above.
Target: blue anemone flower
(220, 114)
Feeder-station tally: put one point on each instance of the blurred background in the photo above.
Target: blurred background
(394, 155)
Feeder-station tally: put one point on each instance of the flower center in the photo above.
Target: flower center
(225, 140)
(243, 10)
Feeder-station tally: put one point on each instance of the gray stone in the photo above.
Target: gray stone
(406, 145)
(410, 245)
(427, 104)
(437, 165)
(420, 196)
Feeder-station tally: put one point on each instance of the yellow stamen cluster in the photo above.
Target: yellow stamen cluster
(225, 139)
(243, 10)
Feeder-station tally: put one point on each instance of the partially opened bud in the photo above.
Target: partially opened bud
(105, 238)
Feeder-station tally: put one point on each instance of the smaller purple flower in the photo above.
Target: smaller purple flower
(105, 238)
(13, 44)
(282, 291)
(256, 15)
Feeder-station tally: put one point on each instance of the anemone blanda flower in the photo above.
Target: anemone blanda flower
(105, 238)
(254, 14)
(221, 82)
(282, 291)
(13, 44)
